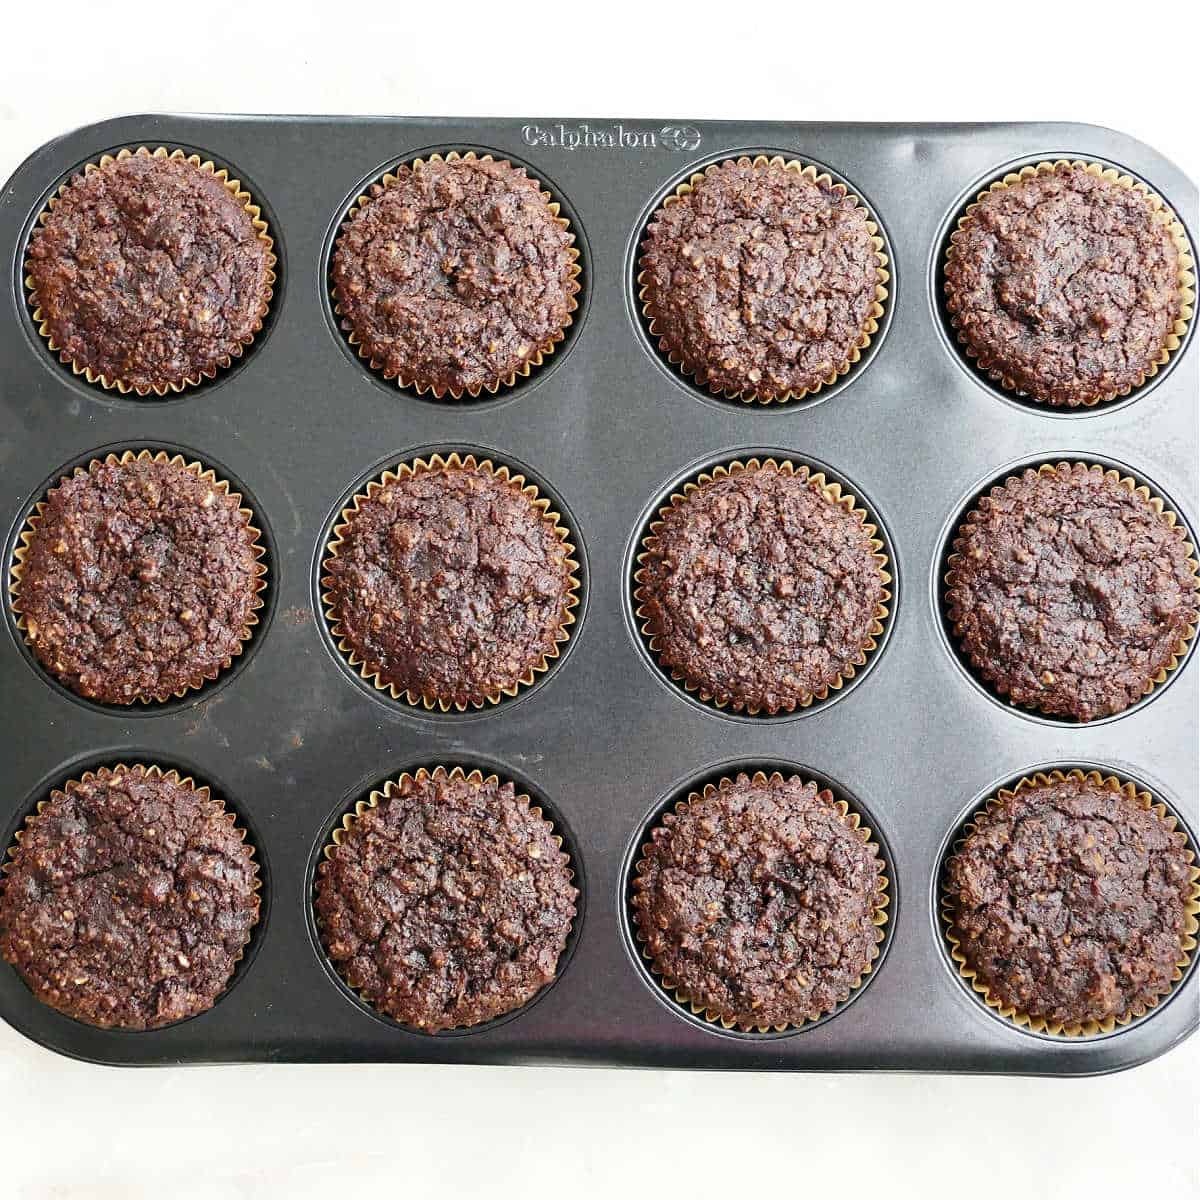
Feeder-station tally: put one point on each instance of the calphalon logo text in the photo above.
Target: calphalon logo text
(612, 137)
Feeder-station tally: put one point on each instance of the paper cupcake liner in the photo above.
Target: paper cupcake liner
(371, 672)
(475, 778)
(537, 355)
(235, 189)
(832, 492)
(219, 486)
(879, 919)
(1162, 214)
(1118, 786)
(870, 326)
(954, 611)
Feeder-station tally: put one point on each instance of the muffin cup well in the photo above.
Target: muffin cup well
(1117, 786)
(879, 917)
(475, 778)
(436, 462)
(832, 492)
(954, 611)
(1161, 214)
(235, 189)
(537, 354)
(870, 326)
(221, 487)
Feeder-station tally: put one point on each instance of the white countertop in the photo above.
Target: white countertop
(71, 1130)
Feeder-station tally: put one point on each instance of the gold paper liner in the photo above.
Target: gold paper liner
(869, 329)
(152, 771)
(537, 355)
(1034, 1024)
(235, 189)
(207, 475)
(954, 612)
(879, 919)
(832, 492)
(421, 775)
(1162, 213)
(419, 466)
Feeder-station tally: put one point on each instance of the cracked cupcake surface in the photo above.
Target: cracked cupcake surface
(759, 589)
(1070, 592)
(1069, 902)
(448, 903)
(129, 899)
(148, 272)
(758, 902)
(761, 280)
(1065, 285)
(456, 275)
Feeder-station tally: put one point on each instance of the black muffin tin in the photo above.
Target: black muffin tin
(291, 737)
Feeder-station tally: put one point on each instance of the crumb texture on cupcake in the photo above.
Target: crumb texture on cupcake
(1065, 284)
(450, 583)
(455, 274)
(759, 902)
(1071, 591)
(1069, 901)
(761, 589)
(138, 579)
(446, 901)
(762, 279)
(148, 272)
(129, 899)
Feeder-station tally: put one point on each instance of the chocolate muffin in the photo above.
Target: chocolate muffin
(1069, 902)
(446, 901)
(450, 582)
(762, 587)
(760, 902)
(762, 279)
(1063, 282)
(455, 275)
(138, 578)
(150, 271)
(129, 899)
(1072, 591)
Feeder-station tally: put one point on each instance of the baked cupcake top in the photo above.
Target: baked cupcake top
(455, 275)
(1069, 900)
(148, 272)
(1070, 590)
(1065, 285)
(761, 279)
(450, 583)
(761, 589)
(448, 902)
(758, 902)
(129, 899)
(139, 579)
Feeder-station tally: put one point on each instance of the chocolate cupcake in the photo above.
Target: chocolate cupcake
(475, 905)
(760, 902)
(762, 586)
(450, 582)
(129, 899)
(138, 578)
(150, 271)
(455, 275)
(1070, 903)
(1069, 283)
(762, 279)
(1072, 591)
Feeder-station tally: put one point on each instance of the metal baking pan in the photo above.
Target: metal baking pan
(290, 737)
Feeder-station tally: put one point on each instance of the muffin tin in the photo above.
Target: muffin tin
(604, 741)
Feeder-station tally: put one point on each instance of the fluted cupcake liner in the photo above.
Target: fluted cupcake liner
(243, 197)
(1084, 1029)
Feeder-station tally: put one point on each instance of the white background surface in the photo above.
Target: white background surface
(69, 1130)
